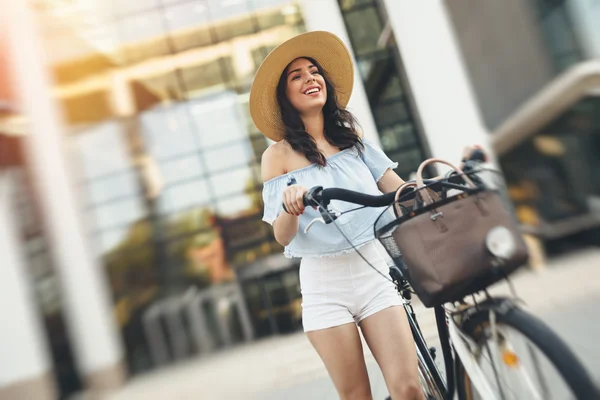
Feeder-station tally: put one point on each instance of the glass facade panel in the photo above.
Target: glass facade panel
(218, 120)
(119, 213)
(103, 150)
(124, 7)
(156, 99)
(366, 29)
(113, 187)
(181, 169)
(168, 132)
(228, 156)
(353, 4)
(557, 29)
(184, 195)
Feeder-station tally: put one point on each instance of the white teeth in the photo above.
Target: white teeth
(313, 90)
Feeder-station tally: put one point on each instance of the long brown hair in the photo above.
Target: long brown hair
(340, 124)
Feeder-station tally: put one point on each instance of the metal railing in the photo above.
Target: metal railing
(178, 327)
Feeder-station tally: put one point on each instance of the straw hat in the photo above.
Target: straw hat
(324, 47)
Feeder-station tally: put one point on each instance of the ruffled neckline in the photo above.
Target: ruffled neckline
(309, 167)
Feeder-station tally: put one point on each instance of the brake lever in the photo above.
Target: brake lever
(326, 218)
(311, 223)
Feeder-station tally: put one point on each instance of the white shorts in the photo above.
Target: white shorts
(342, 289)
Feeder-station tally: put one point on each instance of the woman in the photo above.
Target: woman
(298, 100)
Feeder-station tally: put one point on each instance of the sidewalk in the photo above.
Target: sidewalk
(287, 367)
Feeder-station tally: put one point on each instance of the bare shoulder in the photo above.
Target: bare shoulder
(273, 160)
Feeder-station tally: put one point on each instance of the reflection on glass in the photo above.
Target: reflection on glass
(122, 7)
(349, 4)
(557, 30)
(141, 27)
(90, 107)
(205, 258)
(113, 187)
(130, 260)
(366, 30)
(119, 213)
(393, 88)
(168, 132)
(152, 90)
(190, 116)
(390, 113)
(198, 253)
(102, 149)
(181, 169)
(143, 36)
(198, 79)
(108, 239)
(187, 23)
(218, 119)
(185, 195)
(193, 219)
(231, 182)
(234, 205)
(235, 155)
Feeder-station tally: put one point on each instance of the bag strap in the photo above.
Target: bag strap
(404, 186)
(420, 183)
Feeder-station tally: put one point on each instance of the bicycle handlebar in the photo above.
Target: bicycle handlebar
(318, 196)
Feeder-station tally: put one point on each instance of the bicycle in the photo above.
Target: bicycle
(472, 332)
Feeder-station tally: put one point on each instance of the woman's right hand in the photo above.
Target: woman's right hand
(293, 199)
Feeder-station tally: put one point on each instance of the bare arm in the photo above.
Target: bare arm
(390, 182)
(285, 226)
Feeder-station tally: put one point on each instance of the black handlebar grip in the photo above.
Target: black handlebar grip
(291, 181)
(305, 199)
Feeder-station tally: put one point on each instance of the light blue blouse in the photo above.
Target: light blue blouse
(348, 170)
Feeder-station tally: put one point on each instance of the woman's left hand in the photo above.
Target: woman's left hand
(468, 152)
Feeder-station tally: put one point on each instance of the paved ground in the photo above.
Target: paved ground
(566, 296)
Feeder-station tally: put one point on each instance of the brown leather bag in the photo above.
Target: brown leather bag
(456, 246)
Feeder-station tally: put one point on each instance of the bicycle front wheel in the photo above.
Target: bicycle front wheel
(522, 358)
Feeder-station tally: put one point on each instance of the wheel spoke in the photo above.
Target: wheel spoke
(533, 384)
(496, 375)
(538, 372)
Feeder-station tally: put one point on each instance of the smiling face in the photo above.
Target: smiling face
(305, 86)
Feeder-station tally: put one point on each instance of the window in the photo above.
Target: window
(346, 5)
(122, 184)
(143, 36)
(168, 132)
(116, 214)
(557, 29)
(189, 65)
(218, 120)
(232, 155)
(380, 71)
(181, 169)
(182, 196)
(231, 182)
(103, 150)
(366, 29)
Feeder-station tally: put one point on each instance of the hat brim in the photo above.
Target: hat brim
(324, 47)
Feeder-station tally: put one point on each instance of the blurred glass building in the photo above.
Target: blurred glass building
(152, 105)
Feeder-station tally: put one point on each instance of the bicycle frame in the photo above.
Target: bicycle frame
(454, 345)
(460, 344)
(424, 355)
